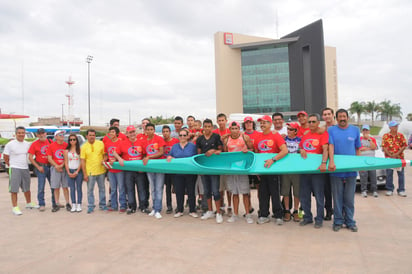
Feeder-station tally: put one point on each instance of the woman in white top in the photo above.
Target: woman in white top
(74, 172)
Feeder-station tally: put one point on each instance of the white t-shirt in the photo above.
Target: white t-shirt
(284, 130)
(17, 152)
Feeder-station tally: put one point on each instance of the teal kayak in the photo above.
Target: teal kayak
(253, 164)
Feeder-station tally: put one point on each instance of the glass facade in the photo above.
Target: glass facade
(265, 79)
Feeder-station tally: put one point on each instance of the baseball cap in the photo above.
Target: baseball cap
(265, 118)
(236, 123)
(248, 118)
(302, 112)
(393, 123)
(293, 125)
(367, 127)
(59, 132)
(130, 128)
(41, 131)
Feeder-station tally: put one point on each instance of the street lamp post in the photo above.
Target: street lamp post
(88, 61)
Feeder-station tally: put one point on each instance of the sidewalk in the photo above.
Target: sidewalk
(64, 242)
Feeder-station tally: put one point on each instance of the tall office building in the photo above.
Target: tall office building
(263, 75)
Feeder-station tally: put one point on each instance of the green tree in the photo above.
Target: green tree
(372, 108)
(159, 120)
(357, 108)
(388, 110)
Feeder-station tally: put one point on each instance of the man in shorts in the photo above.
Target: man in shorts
(57, 172)
(15, 156)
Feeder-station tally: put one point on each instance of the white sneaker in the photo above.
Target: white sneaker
(79, 208)
(16, 211)
(389, 193)
(364, 194)
(232, 218)
(74, 208)
(249, 219)
(279, 221)
(219, 218)
(152, 213)
(179, 214)
(32, 205)
(402, 194)
(375, 194)
(159, 216)
(207, 215)
(193, 214)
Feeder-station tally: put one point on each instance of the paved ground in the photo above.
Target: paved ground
(63, 242)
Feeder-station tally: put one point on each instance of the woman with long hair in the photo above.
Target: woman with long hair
(74, 172)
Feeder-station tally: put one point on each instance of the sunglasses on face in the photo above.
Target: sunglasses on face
(182, 135)
(73, 139)
(292, 129)
(312, 122)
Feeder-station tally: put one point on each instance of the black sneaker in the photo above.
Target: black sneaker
(353, 228)
(169, 210)
(55, 208)
(305, 222)
(68, 207)
(131, 211)
(145, 210)
(328, 215)
(336, 228)
(318, 225)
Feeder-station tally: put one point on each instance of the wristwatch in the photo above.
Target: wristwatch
(274, 160)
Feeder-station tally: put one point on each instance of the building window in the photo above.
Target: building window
(265, 79)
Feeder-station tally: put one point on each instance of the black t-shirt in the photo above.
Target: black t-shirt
(207, 144)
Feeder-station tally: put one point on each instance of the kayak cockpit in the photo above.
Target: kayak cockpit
(226, 161)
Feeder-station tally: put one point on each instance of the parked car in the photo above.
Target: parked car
(2, 162)
(380, 173)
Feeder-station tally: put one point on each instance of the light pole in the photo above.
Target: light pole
(88, 61)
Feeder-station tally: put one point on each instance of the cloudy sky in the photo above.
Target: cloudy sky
(157, 57)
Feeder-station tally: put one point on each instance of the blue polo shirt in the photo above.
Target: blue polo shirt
(188, 151)
(345, 141)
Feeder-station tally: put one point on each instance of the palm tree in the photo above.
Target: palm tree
(372, 107)
(395, 111)
(358, 108)
(389, 110)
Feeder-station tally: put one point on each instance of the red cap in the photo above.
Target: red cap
(236, 123)
(130, 128)
(293, 125)
(248, 118)
(265, 118)
(302, 112)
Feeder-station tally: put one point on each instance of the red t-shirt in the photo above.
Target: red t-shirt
(152, 146)
(253, 136)
(130, 150)
(141, 136)
(168, 146)
(313, 142)
(56, 151)
(109, 148)
(302, 131)
(39, 149)
(121, 137)
(221, 133)
(269, 143)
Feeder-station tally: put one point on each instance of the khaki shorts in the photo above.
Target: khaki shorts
(223, 183)
(19, 178)
(199, 186)
(289, 180)
(58, 179)
(238, 184)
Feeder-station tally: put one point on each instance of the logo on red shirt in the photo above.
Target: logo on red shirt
(134, 151)
(310, 144)
(265, 145)
(59, 154)
(43, 149)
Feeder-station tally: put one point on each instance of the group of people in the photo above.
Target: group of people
(68, 165)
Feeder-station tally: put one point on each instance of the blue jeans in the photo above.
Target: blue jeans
(102, 190)
(313, 183)
(132, 180)
(75, 185)
(156, 181)
(211, 185)
(41, 183)
(117, 181)
(343, 192)
(401, 180)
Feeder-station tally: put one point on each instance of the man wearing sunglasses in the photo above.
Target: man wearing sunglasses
(316, 143)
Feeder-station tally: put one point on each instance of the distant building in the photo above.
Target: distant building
(56, 121)
(263, 75)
